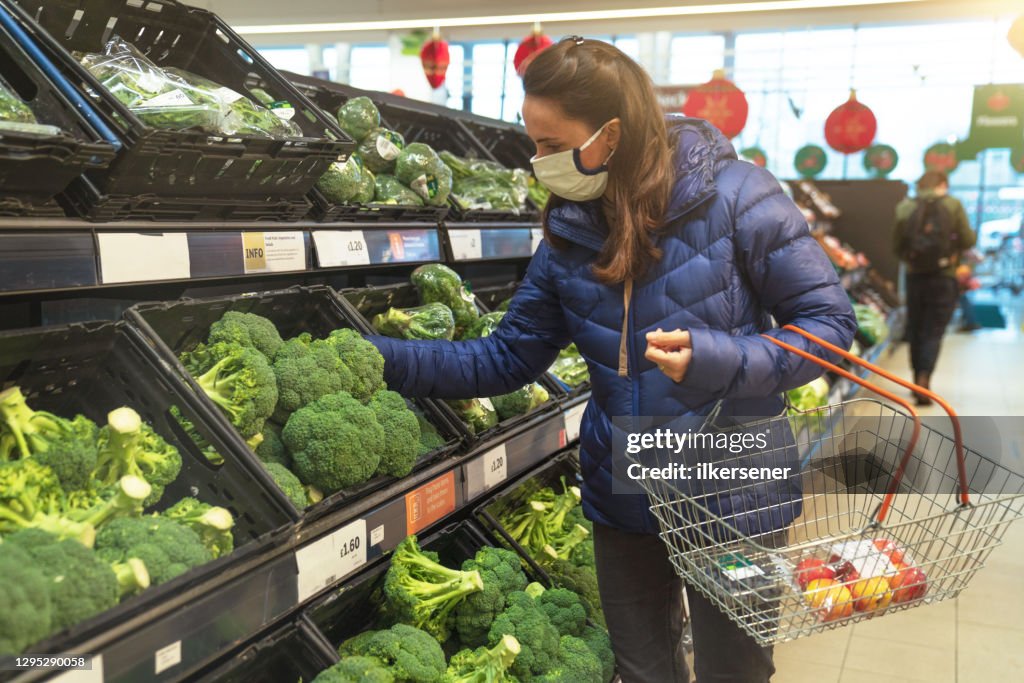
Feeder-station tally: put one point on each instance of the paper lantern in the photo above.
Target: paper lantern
(529, 48)
(810, 160)
(941, 157)
(720, 103)
(435, 59)
(880, 160)
(850, 127)
(1016, 35)
(755, 155)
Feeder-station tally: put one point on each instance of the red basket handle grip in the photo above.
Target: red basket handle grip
(915, 434)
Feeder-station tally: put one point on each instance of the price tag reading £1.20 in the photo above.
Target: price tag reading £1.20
(331, 558)
(495, 466)
(337, 248)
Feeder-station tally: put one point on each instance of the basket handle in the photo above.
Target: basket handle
(883, 508)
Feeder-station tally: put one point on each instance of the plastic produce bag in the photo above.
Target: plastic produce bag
(419, 168)
(484, 326)
(12, 109)
(32, 128)
(570, 367)
(342, 181)
(358, 117)
(871, 324)
(388, 190)
(437, 283)
(487, 185)
(478, 413)
(380, 149)
(521, 401)
(431, 321)
(367, 188)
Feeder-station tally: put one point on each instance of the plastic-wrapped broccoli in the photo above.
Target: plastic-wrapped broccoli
(342, 181)
(388, 190)
(367, 186)
(484, 326)
(380, 149)
(484, 184)
(570, 367)
(358, 117)
(521, 401)
(12, 108)
(431, 321)
(438, 283)
(478, 413)
(421, 169)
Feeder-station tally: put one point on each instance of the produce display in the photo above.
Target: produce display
(315, 411)
(495, 624)
(487, 185)
(16, 116)
(175, 99)
(871, 325)
(76, 534)
(804, 403)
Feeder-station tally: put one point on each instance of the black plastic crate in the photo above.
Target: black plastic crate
(292, 652)
(185, 167)
(370, 301)
(35, 167)
(96, 367)
(177, 326)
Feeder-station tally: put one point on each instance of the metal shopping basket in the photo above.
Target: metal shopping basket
(887, 514)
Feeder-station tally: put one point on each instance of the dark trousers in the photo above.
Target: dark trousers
(931, 300)
(641, 596)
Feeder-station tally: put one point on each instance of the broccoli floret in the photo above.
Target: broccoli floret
(562, 548)
(129, 446)
(132, 576)
(521, 401)
(288, 483)
(239, 379)
(213, 524)
(403, 433)
(356, 670)
(601, 645)
(430, 321)
(25, 603)
(81, 584)
(363, 360)
(341, 181)
(67, 446)
(430, 439)
(31, 497)
(422, 592)
(272, 449)
(538, 639)
(247, 329)
(335, 442)
(482, 665)
(502, 573)
(575, 663)
(305, 371)
(565, 610)
(167, 547)
(478, 414)
(582, 581)
(125, 498)
(438, 283)
(410, 655)
(358, 117)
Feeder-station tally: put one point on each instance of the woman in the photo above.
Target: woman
(654, 225)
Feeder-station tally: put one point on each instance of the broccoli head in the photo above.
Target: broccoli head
(31, 497)
(341, 181)
(167, 547)
(358, 117)
(288, 483)
(420, 591)
(430, 439)
(362, 359)
(478, 413)
(482, 665)
(437, 283)
(403, 433)
(305, 371)
(430, 321)
(356, 670)
(410, 655)
(601, 645)
(521, 401)
(502, 573)
(213, 524)
(271, 448)
(237, 378)
(484, 326)
(66, 446)
(580, 580)
(246, 329)
(335, 442)
(25, 602)
(575, 663)
(129, 446)
(565, 610)
(538, 639)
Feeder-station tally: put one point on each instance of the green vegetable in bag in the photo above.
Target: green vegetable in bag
(437, 283)
(478, 413)
(431, 321)
(870, 324)
(419, 168)
(367, 189)
(388, 190)
(484, 326)
(358, 117)
(341, 182)
(570, 367)
(12, 108)
(380, 149)
(521, 401)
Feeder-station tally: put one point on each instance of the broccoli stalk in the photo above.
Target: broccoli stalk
(483, 665)
(132, 576)
(422, 592)
(129, 447)
(566, 544)
(528, 527)
(130, 494)
(212, 524)
(564, 504)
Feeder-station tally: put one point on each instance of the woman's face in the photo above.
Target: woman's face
(552, 131)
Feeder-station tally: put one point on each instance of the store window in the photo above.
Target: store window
(692, 59)
(370, 67)
(294, 59)
(456, 80)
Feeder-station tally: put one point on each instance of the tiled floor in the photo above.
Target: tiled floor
(979, 637)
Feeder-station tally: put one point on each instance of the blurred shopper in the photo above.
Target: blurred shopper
(931, 232)
(967, 283)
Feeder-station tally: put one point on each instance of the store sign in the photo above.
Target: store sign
(997, 120)
(273, 252)
(429, 503)
(672, 97)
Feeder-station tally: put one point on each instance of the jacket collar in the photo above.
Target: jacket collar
(699, 146)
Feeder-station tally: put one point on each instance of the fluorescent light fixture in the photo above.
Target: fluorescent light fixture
(564, 17)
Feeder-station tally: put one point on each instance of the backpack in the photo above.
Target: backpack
(928, 244)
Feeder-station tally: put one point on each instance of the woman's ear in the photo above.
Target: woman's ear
(614, 131)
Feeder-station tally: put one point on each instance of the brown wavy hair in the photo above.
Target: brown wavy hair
(594, 82)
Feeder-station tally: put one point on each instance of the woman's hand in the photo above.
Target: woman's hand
(670, 351)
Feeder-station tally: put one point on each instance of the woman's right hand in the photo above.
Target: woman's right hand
(670, 351)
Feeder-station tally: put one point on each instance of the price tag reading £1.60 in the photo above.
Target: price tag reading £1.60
(331, 558)
(336, 248)
(495, 466)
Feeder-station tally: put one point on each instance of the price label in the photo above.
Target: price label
(273, 252)
(536, 237)
(143, 257)
(377, 535)
(331, 558)
(573, 417)
(495, 466)
(166, 657)
(94, 674)
(466, 244)
(335, 248)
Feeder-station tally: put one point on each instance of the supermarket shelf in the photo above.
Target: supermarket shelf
(490, 241)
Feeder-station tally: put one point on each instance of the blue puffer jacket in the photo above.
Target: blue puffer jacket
(736, 252)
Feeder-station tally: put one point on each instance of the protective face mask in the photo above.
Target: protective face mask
(564, 174)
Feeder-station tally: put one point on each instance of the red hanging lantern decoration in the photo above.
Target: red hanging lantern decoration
(529, 48)
(720, 103)
(1016, 35)
(435, 59)
(851, 126)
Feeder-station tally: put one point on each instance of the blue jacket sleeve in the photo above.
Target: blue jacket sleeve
(521, 348)
(794, 280)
